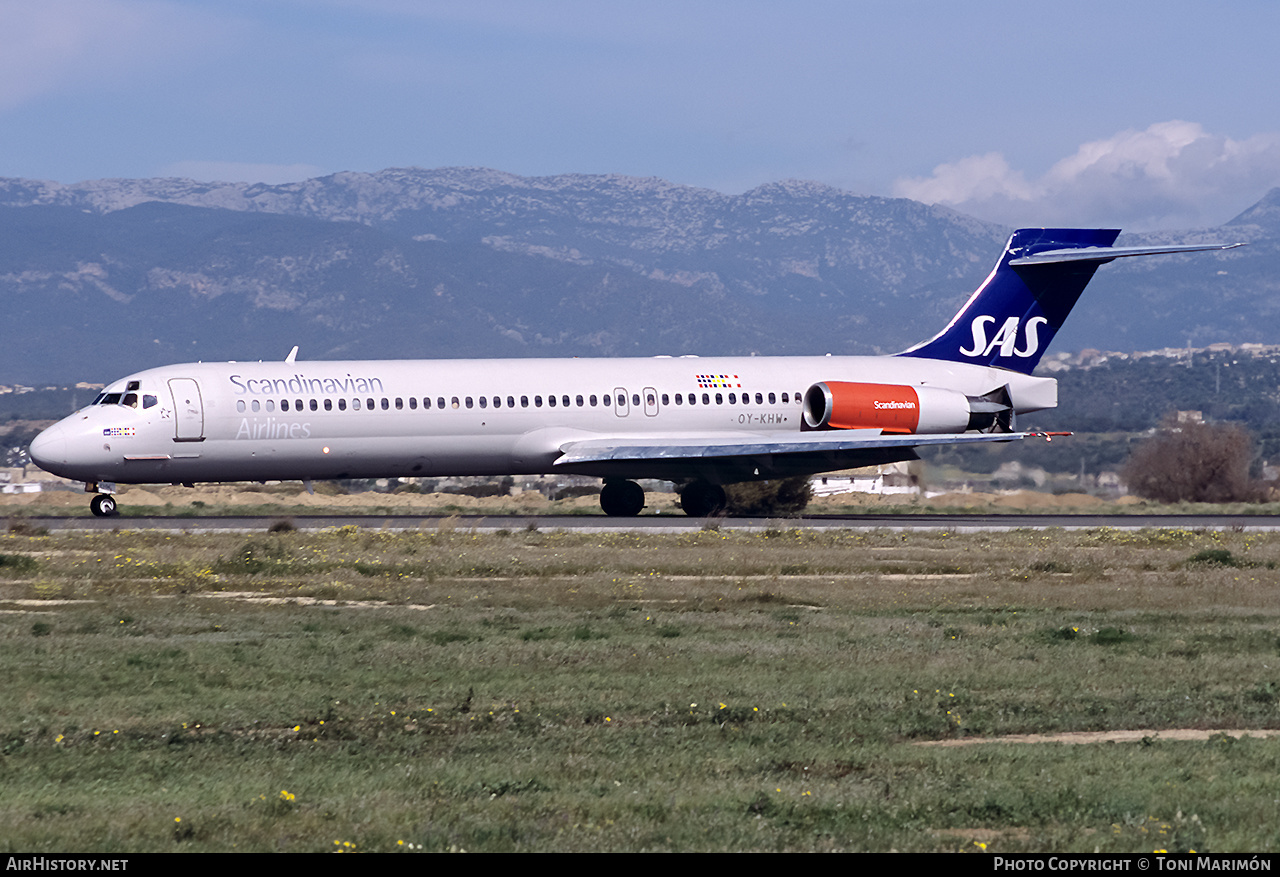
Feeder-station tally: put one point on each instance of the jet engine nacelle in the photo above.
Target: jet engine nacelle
(893, 408)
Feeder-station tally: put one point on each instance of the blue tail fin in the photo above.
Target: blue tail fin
(1022, 304)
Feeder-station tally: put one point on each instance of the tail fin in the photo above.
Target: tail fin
(1022, 304)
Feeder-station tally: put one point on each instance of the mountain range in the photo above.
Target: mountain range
(105, 277)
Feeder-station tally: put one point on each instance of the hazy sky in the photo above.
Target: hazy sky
(1141, 114)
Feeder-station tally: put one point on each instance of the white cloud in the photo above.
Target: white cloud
(241, 172)
(1171, 175)
(54, 45)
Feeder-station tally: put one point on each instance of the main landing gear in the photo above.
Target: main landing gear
(621, 499)
(625, 499)
(700, 499)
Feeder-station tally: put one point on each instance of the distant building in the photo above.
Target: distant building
(890, 478)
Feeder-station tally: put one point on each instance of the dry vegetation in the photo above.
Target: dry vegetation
(532, 690)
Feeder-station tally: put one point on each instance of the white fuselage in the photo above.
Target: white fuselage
(403, 418)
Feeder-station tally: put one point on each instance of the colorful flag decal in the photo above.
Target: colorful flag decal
(716, 381)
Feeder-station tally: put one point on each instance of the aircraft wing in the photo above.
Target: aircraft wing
(759, 455)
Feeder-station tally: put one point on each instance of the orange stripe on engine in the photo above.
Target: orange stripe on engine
(892, 407)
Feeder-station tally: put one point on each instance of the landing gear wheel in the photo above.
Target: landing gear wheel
(700, 499)
(103, 505)
(622, 499)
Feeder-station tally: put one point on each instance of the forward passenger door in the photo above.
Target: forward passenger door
(188, 410)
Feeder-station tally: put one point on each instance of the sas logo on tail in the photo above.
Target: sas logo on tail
(1006, 338)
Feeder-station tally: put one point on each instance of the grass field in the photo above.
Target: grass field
(528, 690)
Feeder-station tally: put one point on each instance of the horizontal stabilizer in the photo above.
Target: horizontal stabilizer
(1106, 254)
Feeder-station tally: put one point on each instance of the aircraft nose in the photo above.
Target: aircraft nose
(49, 449)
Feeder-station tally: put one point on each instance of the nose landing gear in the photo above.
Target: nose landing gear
(103, 505)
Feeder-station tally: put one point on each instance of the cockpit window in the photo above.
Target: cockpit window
(130, 399)
(149, 401)
(111, 399)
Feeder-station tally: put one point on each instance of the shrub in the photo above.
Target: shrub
(786, 496)
(1215, 557)
(1193, 462)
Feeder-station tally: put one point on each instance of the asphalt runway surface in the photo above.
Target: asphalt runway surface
(656, 523)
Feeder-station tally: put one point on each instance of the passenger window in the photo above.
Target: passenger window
(592, 400)
(469, 402)
(706, 399)
(314, 405)
(484, 403)
(772, 399)
(455, 402)
(564, 400)
(524, 401)
(759, 399)
(784, 398)
(355, 404)
(733, 398)
(607, 400)
(240, 405)
(649, 399)
(719, 399)
(440, 402)
(271, 404)
(665, 400)
(635, 399)
(679, 399)
(386, 404)
(551, 400)
(580, 401)
(413, 403)
(342, 404)
(399, 404)
(693, 399)
(255, 405)
(297, 404)
(328, 404)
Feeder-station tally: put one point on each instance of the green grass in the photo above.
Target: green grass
(711, 691)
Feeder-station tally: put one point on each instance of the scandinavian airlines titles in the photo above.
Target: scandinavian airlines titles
(1006, 338)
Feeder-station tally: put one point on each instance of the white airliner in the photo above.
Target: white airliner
(699, 422)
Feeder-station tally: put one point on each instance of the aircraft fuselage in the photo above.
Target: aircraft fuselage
(404, 418)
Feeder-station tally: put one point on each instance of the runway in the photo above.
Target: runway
(652, 523)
